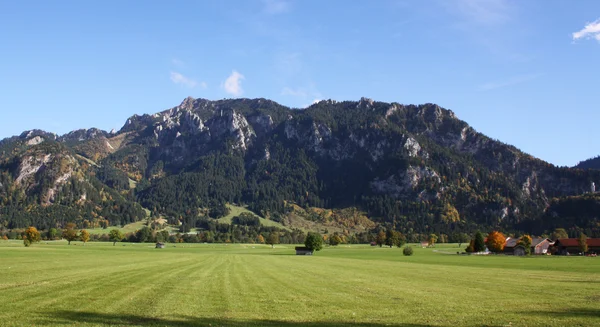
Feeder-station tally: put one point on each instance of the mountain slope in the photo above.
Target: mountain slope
(593, 163)
(44, 183)
(416, 168)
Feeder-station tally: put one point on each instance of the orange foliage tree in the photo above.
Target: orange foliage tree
(496, 241)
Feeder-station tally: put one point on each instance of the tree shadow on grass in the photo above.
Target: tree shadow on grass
(570, 313)
(109, 319)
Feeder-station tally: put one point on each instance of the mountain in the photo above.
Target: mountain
(418, 169)
(593, 163)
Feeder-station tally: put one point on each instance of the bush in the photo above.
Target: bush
(407, 251)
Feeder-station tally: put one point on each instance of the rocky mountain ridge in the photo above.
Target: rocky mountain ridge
(404, 165)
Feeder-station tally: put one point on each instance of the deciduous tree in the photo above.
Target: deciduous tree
(260, 239)
(582, 242)
(559, 233)
(313, 241)
(496, 241)
(84, 236)
(272, 239)
(31, 236)
(69, 233)
(52, 233)
(115, 236)
(463, 238)
(335, 239)
(380, 239)
(525, 242)
(432, 239)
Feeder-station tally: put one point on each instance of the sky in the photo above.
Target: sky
(524, 72)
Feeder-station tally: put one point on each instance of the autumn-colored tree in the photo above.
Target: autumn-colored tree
(115, 236)
(471, 247)
(380, 239)
(260, 239)
(335, 239)
(582, 242)
(4, 237)
(450, 214)
(272, 239)
(496, 241)
(31, 236)
(525, 242)
(69, 233)
(84, 236)
(432, 239)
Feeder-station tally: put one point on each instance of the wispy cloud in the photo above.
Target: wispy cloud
(508, 82)
(178, 78)
(303, 94)
(233, 84)
(177, 62)
(590, 31)
(299, 92)
(274, 7)
(482, 12)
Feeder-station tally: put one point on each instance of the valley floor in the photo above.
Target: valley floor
(52, 284)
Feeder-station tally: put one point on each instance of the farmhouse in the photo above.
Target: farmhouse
(539, 245)
(567, 246)
(301, 250)
(425, 244)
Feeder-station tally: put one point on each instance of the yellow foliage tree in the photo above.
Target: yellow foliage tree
(261, 239)
(525, 242)
(31, 236)
(84, 236)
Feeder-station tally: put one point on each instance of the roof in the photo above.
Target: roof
(302, 248)
(575, 242)
(535, 241)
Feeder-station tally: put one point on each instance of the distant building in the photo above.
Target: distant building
(160, 245)
(425, 244)
(302, 250)
(566, 246)
(539, 245)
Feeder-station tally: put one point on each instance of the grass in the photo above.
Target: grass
(52, 284)
(237, 210)
(129, 228)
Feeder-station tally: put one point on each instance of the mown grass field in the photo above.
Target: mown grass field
(253, 285)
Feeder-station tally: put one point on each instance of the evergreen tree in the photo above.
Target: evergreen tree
(479, 244)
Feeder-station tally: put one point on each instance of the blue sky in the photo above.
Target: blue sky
(524, 72)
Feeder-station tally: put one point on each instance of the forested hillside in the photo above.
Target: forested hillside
(418, 169)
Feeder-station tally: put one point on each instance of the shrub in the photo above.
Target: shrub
(313, 241)
(407, 251)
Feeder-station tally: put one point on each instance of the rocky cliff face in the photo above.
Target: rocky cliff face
(387, 158)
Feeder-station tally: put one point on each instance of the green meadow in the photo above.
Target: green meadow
(185, 285)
